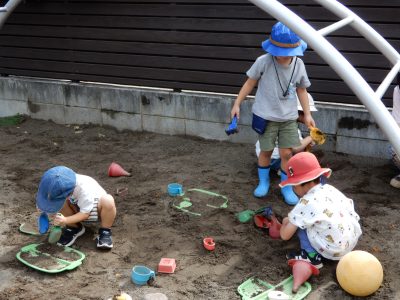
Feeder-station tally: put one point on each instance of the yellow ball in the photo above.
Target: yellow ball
(359, 273)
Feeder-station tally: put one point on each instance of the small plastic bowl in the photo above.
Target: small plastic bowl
(209, 243)
(175, 189)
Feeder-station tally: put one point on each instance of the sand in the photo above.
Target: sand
(149, 227)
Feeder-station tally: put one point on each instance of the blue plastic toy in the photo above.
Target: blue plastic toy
(268, 213)
(141, 275)
(232, 128)
(43, 223)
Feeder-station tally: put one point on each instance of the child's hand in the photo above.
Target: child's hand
(235, 111)
(60, 220)
(309, 121)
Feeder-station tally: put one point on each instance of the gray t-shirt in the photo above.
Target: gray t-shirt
(270, 103)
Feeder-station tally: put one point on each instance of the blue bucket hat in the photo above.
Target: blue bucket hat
(284, 42)
(55, 186)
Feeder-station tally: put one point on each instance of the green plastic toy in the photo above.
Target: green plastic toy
(185, 204)
(29, 229)
(248, 214)
(53, 264)
(256, 289)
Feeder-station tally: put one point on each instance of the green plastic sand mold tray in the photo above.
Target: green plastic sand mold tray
(65, 259)
(186, 204)
(256, 289)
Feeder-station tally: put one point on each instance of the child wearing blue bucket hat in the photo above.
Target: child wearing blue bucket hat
(279, 75)
(78, 198)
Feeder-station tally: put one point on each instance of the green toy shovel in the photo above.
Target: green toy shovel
(246, 215)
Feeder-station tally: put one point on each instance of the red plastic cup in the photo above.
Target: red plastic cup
(209, 243)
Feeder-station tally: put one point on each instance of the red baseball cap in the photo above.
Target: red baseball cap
(303, 167)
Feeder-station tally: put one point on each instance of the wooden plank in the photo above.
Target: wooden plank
(180, 37)
(374, 14)
(389, 30)
(199, 51)
(236, 53)
(168, 62)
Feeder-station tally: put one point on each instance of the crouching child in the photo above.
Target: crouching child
(324, 219)
(76, 198)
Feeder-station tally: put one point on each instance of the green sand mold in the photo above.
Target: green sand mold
(186, 202)
(29, 229)
(59, 265)
(256, 289)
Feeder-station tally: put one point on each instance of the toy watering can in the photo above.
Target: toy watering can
(141, 275)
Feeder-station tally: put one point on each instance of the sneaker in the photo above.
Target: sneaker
(70, 234)
(395, 182)
(104, 239)
(316, 261)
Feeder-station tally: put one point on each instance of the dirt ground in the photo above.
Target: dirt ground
(148, 227)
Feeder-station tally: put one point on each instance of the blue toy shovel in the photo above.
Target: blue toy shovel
(232, 128)
(43, 223)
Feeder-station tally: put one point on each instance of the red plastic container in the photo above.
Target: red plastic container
(209, 243)
(262, 222)
(167, 265)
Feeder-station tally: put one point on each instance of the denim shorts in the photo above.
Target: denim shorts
(286, 132)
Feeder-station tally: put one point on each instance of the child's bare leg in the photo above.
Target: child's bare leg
(285, 154)
(68, 210)
(107, 211)
(264, 158)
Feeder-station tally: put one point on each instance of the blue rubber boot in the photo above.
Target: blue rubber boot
(263, 186)
(287, 191)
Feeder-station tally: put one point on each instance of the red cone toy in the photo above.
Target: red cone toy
(301, 271)
(115, 170)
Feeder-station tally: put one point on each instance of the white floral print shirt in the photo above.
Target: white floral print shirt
(330, 220)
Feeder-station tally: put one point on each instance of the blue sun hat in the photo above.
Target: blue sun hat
(284, 42)
(55, 186)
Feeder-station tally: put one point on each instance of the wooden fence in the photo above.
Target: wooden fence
(204, 45)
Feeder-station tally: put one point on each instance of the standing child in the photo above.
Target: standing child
(78, 198)
(395, 182)
(324, 219)
(280, 75)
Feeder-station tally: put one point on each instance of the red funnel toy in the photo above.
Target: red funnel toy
(301, 271)
(274, 229)
(115, 170)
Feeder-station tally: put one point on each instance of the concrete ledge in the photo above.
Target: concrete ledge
(13, 107)
(122, 121)
(55, 113)
(163, 125)
(349, 129)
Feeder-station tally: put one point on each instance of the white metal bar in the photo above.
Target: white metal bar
(388, 80)
(363, 28)
(7, 10)
(342, 67)
(335, 26)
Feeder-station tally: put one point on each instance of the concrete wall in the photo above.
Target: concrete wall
(350, 129)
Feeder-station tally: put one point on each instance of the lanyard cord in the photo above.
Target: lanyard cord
(291, 77)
